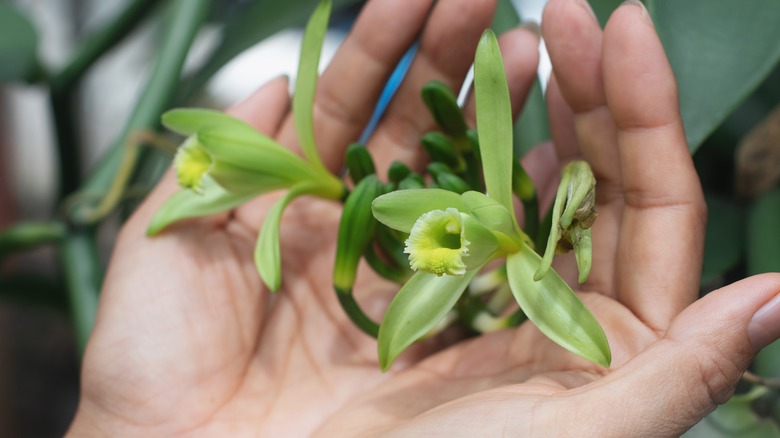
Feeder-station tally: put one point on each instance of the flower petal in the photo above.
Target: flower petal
(401, 209)
(556, 310)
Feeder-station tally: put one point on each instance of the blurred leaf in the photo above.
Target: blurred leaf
(604, 8)
(505, 18)
(420, 304)
(763, 234)
(18, 45)
(735, 418)
(27, 235)
(724, 242)
(720, 52)
(248, 25)
(494, 120)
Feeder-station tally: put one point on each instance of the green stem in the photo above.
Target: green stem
(355, 313)
(185, 19)
(80, 262)
(64, 90)
(27, 235)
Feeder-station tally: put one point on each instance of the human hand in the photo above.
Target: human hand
(188, 341)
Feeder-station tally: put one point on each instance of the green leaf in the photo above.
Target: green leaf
(252, 150)
(306, 80)
(18, 45)
(420, 304)
(763, 234)
(268, 257)
(555, 309)
(188, 121)
(724, 243)
(186, 204)
(735, 418)
(401, 209)
(505, 18)
(28, 235)
(443, 105)
(720, 52)
(494, 120)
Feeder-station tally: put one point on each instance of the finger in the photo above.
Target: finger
(350, 87)
(561, 118)
(699, 361)
(662, 233)
(446, 51)
(264, 110)
(574, 38)
(520, 52)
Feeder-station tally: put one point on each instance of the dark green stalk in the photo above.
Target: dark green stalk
(78, 251)
(355, 313)
(28, 235)
(64, 87)
(83, 276)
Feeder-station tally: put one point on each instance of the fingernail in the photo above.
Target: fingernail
(764, 327)
(533, 27)
(640, 5)
(585, 5)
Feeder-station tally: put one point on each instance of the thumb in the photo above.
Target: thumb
(695, 366)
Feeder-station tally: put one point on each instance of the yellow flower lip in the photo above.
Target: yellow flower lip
(437, 244)
(192, 163)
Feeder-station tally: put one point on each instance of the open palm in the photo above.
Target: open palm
(188, 341)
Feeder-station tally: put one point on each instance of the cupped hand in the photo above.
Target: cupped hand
(188, 342)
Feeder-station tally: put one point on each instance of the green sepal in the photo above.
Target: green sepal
(443, 105)
(186, 204)
(555, 228)
(254, 151)
(420, 304)
(494, 120)
(556, 310)
(188, 121)
(268, 257)
(306, 80)
(359, 162)
(242, 181)
(356, 231)
(401, 209)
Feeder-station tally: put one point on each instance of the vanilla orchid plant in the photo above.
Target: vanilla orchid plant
(431, 235)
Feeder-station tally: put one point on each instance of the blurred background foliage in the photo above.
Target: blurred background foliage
(724, 53)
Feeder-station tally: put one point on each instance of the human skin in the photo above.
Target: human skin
(189, 342)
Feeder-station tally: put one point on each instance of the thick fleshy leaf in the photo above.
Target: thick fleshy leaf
(251, 150)
(736, 418)
(187, 121)
(763, 234)
(555, 309)
(268, 255)
(443, 105)
(401, 209)
(724, 245)
(709, 44)
(186, 204)
(18, 45)
(306, 80)
(494, 120)
(420, 304)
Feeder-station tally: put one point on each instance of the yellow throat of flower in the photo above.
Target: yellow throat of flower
(192, 162)
(436, 243)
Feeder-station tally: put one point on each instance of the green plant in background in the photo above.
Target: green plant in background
(724, 53)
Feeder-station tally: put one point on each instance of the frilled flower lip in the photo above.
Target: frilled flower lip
(437, 244)
(192, 163)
